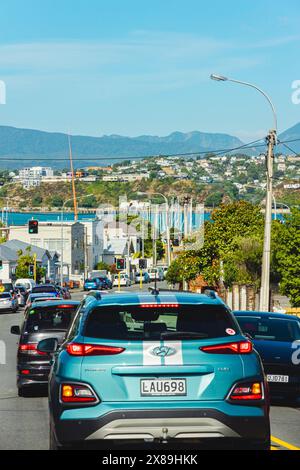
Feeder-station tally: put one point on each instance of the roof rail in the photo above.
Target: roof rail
(95, 294)
(210, 293)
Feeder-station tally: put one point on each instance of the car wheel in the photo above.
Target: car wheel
(53, 442)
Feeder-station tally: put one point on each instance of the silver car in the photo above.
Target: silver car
(8, 302)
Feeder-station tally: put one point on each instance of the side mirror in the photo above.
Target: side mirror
(15, 330)
(48, 345)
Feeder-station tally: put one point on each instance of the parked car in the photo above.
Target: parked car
(276, 337)
(169, 367)
(92, 284)
(144, 275)
(164, 270)
(8, 302)
(42, 320)
(105, 282)
(124, 281)
(156, 273)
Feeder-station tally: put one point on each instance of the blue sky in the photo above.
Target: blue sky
(134, 67)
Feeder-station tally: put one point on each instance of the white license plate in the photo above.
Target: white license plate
(163, 387)
(278, 378)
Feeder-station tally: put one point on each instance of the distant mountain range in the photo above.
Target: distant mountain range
(20, 147)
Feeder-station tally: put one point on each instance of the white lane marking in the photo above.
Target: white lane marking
(148, 358)
(174, 359)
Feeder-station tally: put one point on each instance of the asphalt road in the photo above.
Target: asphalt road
(24, 421)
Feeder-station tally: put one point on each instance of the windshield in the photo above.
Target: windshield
(144, 323)
(271, 329)
(50, 318)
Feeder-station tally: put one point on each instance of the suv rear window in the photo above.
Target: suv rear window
(140, 323)
(50, 318)
(39, 289)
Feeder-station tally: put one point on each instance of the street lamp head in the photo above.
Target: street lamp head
(218, 78)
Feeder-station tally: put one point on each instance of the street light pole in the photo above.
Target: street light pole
(272, 140)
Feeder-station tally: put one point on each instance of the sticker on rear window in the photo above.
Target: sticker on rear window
(230, 331)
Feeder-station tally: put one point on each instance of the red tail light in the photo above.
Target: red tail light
(31, 349)
(79, 349)
(66, 306)
(159, 305)
(247, 391)
(71, 393)
(241, 347)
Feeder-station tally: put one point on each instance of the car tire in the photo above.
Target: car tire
(53, 442)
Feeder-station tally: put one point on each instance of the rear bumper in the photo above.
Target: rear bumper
(37, 375)
(160, 425)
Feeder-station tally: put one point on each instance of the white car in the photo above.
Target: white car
(124, 281)
(29, 284)
(156, 273)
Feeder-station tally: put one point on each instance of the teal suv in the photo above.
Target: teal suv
(168, 367)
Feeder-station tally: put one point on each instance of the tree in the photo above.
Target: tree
(37, 200)
(214, 199)
(232, 245)
(25, 259)
(101, 266)
(56, 201)
(287, 257)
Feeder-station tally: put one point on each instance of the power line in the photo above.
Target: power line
(289, 148)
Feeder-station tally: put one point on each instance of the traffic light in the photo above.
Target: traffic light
(33, 226)
(121, 264)
(31, 270)
(142, 263)
(1, 264)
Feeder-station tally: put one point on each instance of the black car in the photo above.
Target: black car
(45, 288)
(105, 282)
(276, 337)
(42, 320)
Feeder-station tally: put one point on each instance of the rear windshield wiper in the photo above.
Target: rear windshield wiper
(183, 335)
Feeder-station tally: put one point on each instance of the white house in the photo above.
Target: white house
(53, 236)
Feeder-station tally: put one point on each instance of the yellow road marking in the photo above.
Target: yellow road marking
(274, 448)
(287, 445)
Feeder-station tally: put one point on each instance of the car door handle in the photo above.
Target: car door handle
(163, 369)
